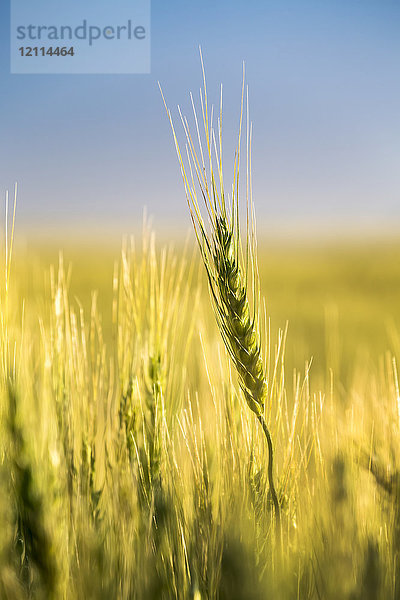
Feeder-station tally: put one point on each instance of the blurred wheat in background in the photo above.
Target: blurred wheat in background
(130, 463)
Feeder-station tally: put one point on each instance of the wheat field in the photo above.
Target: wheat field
(131, 466)
(133, 385)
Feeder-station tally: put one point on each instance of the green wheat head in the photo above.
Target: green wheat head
(238, 325)
(230, 265)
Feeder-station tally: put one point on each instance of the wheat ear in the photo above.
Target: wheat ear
(228, 271)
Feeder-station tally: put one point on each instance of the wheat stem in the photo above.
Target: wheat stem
(271, 484)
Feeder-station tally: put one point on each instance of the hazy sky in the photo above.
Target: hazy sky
(324, 82)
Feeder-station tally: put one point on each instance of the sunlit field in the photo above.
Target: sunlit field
(131, 465)
(199, 300)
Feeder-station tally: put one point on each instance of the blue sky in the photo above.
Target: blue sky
(324, 84)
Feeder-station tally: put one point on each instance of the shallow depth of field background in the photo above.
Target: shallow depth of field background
(338, 296)
(133, 467)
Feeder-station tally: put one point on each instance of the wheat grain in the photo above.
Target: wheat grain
(228, 271)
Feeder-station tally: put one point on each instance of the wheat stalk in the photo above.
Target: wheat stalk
(229, 267)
